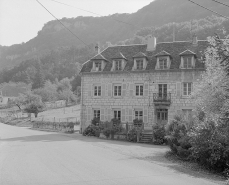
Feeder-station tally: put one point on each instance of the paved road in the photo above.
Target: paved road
(29, 157)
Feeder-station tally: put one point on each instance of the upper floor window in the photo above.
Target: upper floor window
(187, 62)
(97, 114)
(187, 88)
(98, 66)
(139, 64)
(139, 90)
(118, 65)
(97, 90)
(117, 90)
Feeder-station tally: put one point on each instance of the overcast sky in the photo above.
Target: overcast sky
(20, 20)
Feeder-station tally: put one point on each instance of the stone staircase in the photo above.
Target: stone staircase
(146, 138)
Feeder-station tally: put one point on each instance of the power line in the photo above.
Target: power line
(208, 9)
(93, 12)
(221, 3)
(61, 23)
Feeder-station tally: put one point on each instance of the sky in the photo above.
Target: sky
(20, 20)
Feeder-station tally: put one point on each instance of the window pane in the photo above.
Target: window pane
(137, 90)
(141, 90)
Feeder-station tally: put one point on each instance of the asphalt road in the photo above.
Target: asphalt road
(29, 157)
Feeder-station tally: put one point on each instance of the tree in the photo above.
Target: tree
(35, 107)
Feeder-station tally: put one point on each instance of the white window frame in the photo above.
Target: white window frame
(118, 64)
(96, 113)
(141, 67)
(138, 114)
(159, 58)
(97, 90)
(118, 114)
(100, 67)
(186, 88)
(138, 91)
(118, 88)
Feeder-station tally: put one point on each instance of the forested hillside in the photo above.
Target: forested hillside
(107, 29)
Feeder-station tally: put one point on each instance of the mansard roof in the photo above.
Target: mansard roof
(140, 55)
(118, 55)
(129, 51)
(163, 53)
(99, 57)
(187, 52)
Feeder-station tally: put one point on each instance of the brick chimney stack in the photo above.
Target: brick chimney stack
(97, 48)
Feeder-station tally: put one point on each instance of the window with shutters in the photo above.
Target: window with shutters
(139, 89)
(97, 90)
(96, 113)
(187, 88)
(138, 114)
(117, 90)
(117, 114)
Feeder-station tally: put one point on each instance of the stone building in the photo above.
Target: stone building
(150, 81)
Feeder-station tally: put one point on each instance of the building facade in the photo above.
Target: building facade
(152, 82)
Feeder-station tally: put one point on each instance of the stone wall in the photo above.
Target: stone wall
(128, 102)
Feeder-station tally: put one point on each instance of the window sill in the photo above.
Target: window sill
(186, 97)
(97, 96)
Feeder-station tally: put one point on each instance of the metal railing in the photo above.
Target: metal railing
(162, 97)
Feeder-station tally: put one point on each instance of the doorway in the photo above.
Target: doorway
(162, 116)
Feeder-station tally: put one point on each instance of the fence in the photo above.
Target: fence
(74, 120)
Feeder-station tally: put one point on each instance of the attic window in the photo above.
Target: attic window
(139, 64)
(162, 62)
(98, 66)
(118, 65)
(187, 62)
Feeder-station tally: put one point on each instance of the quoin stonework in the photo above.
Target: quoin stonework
(152, 81)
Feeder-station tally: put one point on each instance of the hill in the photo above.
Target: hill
(53, 37)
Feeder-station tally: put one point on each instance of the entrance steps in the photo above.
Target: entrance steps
(146, 137)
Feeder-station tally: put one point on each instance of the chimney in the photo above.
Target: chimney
(194, 40)
(97, 48)
(151, 43)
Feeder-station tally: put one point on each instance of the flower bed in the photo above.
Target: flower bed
(61, 127)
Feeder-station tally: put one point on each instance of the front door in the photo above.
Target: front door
(162, 116)
(162, 88)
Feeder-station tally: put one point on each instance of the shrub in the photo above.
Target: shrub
(132, 135)
(107, 132)
(158, 134)
(177, 137)
(95, 121)
(138, 122)
(91, 130)
(210, 145)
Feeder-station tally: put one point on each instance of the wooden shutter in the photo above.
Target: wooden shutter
(124, 89)
(145, 115)
(109, 88)
(131, 89)
(103, 90)
(89, 90)
(109, 114)
(146, 89)
(179, 89)
(102, 114)
(130, 115)
(105, 114)
(89, 114)
(123, 116)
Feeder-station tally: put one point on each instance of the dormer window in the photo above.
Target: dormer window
(118, 65)
(187, 62)
(163, 63)
(98, 66)
(139, 64)
(163, 60)
(187, 59)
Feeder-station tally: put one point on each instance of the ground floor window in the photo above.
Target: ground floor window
(187, 113)
(117, 114)
(97, 113)
(162, 114)
(138, 114)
